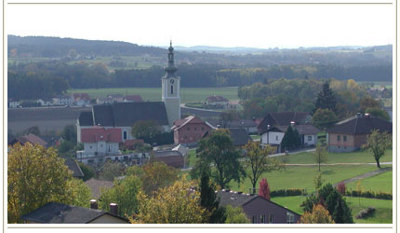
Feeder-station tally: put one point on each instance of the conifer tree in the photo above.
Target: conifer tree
(326, 99)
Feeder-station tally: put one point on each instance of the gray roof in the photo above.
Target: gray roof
(361, 125)
(96, 186)
(234, 199)
(74, 167)
(125, 114)
(167, 153)
(60, 213)
(239, 137)
(307, 129)
(283, 119)
(86, 119)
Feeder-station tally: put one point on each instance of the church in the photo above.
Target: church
(122, 116)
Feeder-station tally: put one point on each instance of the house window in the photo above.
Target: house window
(344, 138)
(109, 148)
(338, 138)
(125, 135)
(277, 138)
(289, 217)
(254, 220)
(262, 218)
(172, 89)
(309, 138)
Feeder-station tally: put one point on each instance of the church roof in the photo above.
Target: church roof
(124, 114)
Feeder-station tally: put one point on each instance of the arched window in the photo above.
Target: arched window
(172, 89)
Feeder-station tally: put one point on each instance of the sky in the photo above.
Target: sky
(258, 26)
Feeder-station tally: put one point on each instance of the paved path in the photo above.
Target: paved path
(365, 175)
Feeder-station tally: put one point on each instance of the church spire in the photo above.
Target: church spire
(170, 69)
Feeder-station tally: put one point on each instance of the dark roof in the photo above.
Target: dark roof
(86, 119)
(167, 153)
(234, 199)
(282, 119)
(126, 114)
(239, 137)
(307, 129)
(74, 167)
(60, 213)
(361, 125)
(31, 138)
(172, 158)
(238, 199)
(97, 185)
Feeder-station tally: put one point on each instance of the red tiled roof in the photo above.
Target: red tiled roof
(135, 98)
(190, 119)
(96, 134)
(79, 96)
(33, 139)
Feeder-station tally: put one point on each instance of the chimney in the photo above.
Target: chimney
(93, 204)
(114, 208)
(366, 115)
(292, 123)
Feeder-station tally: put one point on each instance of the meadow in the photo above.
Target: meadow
(188, 95)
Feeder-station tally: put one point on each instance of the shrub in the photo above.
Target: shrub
(341, 188)
(287, 192)
(370, 194)
(365, 213)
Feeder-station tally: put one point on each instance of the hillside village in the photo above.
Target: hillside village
(277, 160)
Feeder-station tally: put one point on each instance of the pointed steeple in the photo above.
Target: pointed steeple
(170, 69)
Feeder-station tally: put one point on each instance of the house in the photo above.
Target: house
(350, 134)
(132, 98)
(172, 158)
(98, 143)
(81, 99)
(190, 130)
(74, 167)
(13, 103)
(57, 213)
(123, 116)
(181, 148)
(30, 138)
(115, 98)
(96, 186)
(257, 208)
(63, 100)
(45, 102)
(274, 125)
(239, 137)
(249, 125)
(217, 101)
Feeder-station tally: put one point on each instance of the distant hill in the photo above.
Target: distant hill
(53, 47)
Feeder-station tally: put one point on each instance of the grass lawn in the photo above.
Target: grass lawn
(302, 176)
(353, 157)
(154, 94)
(383, 208)
(378, 183)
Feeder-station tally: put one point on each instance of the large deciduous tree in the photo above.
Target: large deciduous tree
(177, 203)
(235, 215)
(219, 158)
(377, 144)
(36, 176)
(318, 215)
(145, 129)
(320, 155)
(264, 190)
(258, 162)
(125, 194)
(209, 201)
(324, 118)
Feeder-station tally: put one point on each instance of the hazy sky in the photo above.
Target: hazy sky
(264, 26)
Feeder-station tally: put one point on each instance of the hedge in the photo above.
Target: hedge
(370, 194)
(288, 192)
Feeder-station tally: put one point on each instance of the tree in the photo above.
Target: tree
(79, 193)
(228, 116)
(219, 158)
(208, 200)
(235, 215)
(258, 162)
(264, 190)
(324, 118)
(378, 112)
(318, 181)
(377, 143)
(125, 194)
(335, 204)
(368, 102)
(36, 176)
(320, 155)
(154, 175)
(69, 133)
(87, 170)
(145, 129)
(291, 139)
(110, 170)
(33, 130)
(177, 203)
(341, 187)
(326, 99)
(318, 215)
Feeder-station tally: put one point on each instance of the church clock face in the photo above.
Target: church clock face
(172, 81)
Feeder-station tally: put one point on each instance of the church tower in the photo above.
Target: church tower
(170, 84)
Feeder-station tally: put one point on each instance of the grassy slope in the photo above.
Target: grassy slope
(383, 212)
(154, 94)
(378, 183)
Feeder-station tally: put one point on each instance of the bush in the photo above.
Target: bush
(287, 192)
(365, 213)
(370, 194)
(341, 188)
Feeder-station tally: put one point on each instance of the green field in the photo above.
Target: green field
(353, 157)
(154, 94)
(378, 183)
(302, 177)
(383, 212)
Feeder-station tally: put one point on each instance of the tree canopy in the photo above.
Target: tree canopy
(377, 144)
